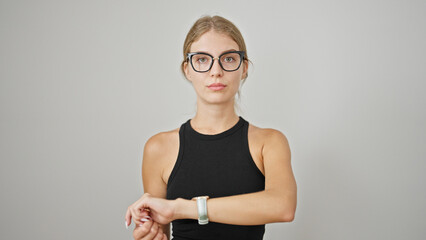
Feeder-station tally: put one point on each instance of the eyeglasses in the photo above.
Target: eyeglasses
(228, 61)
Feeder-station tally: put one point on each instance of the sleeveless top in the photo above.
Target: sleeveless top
(216, 165)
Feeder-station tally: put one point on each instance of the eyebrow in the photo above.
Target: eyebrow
(229, 50)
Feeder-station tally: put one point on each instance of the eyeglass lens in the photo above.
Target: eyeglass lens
(203, 62)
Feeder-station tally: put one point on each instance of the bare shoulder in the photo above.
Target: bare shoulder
(159, 152)
(269, 142)
(267, 135)
(159, 143)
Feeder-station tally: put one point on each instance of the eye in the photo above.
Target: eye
(202, 60)
(229, 59)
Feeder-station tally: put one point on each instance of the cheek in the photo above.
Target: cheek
(233, 86)
(197, 84)
(236, 86)
(237, 78)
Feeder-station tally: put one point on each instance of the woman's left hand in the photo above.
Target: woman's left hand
(160, 210)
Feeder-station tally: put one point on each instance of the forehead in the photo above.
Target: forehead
(214, 43)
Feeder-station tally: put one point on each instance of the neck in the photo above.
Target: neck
(214, 118)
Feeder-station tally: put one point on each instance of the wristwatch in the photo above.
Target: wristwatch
(202, 209)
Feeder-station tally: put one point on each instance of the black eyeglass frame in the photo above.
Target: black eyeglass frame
(241, 53)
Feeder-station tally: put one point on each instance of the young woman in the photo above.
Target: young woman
(244, 170)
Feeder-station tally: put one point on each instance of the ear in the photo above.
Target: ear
(245, 69)
(186, 70)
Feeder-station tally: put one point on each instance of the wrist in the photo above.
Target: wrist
(185, 209)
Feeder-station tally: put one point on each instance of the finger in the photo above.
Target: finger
(142, 230)
(139, 233)
(143, 216)
(152, 232)
(136, 216)
(159, 235)
(138, 213)
(128, 218)
(144, 219)
(145, 213)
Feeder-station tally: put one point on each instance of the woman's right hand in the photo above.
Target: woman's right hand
(149, 230)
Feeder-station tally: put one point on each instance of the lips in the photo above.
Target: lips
(216, 86)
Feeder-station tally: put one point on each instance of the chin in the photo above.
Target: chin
(218, 100)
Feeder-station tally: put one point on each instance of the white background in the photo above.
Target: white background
(84, 84)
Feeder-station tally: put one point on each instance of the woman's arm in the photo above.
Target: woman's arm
(152, 169)
(277, 203)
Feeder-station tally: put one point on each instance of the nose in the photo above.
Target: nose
(216, 69)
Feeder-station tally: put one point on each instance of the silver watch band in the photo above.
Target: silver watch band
(202, 210)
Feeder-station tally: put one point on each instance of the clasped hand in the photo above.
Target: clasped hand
(147, 213)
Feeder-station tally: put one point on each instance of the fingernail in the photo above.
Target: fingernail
(140, 225)
(144, 220)
(148, 217)
(127, 227)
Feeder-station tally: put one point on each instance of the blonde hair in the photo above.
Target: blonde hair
(220, 25)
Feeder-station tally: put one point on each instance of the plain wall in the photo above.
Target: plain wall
(84, 84)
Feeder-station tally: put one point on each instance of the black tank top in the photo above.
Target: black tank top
(215, 165)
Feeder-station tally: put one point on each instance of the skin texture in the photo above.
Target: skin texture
(215, 113)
